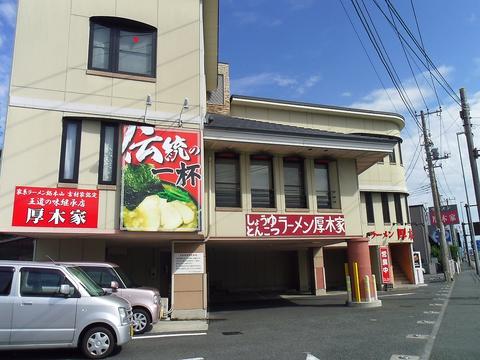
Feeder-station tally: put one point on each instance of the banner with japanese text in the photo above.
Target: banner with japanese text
(385, 264)
(161, 179)
(294, 225)
(449, 215)
(55, 207)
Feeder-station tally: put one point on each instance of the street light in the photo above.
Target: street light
(467, 207)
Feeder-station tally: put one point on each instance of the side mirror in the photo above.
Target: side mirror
(114, 286)
(65, 289)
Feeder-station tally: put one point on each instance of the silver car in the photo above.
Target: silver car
(46, 305)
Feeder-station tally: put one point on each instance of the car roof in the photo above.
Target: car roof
(46, 264)
(89, 263)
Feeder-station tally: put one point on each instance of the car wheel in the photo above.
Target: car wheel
(141, 320)
(98, 343)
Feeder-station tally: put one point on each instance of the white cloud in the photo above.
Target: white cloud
(346, 94)
(300, 4)
(251, 83)
(8, 12)
(308, 83)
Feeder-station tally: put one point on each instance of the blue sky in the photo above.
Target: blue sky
(306, 50)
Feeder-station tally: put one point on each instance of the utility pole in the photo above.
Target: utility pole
(472, 155)
(436, 201)
(466, 244)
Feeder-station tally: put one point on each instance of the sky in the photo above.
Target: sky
(308, 51)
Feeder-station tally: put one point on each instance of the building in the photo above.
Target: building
(112, 155)
(421, 237)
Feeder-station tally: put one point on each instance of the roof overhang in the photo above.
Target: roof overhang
(366, 151)
(210, 29)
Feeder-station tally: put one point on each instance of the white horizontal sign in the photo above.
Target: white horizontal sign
(188, 263)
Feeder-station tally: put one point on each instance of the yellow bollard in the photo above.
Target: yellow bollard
(374, 283)
(349, 289)
(356, 281)
(366, 283)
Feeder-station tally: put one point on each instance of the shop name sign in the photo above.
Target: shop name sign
(294, 225)
(448, 213)
(55, 207)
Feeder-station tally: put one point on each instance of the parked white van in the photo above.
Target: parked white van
(46, 305)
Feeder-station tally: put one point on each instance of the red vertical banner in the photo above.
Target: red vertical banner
(161, 179)
(385, 264)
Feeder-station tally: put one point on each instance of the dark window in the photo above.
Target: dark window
(122, 46)
(6, 276)
(322, 186)
(70, 152)
(385, 208)
(42, 282)
(107, 171)
(102, 276)
(261, 180)
(227, 180)
(400, 152)
(294, 179)
(407, 209)
(398, 208)
(369, 206)
(391, 157)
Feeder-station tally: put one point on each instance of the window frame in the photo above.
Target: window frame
(385, 208)
(8, 289)
(76, 160)
(101, 162)
(400, 152)
(117, 24)
(271, 190)
(238, 184)
(398, 208)
(301, 163)
(369, 208)
(65, 281)
(392, 157)
(407, 209)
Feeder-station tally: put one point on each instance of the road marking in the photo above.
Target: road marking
(193, 359)
(436, 327)
(439, 299)
(436, 304)
(404, 294)
(310, 356)
(418, 336)
(404, 357)
(431, 312)
(166, 335)
(425, 322)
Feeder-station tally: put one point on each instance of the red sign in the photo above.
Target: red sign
(55, 207)
(162, 179)
(385, 264)
(291, 225)
(449, 214)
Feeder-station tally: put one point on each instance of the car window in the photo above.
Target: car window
(6, 277)
(103, 276)
(42, 282)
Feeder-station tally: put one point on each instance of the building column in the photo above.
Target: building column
(319, 271)
(358, 252)
(189, 283)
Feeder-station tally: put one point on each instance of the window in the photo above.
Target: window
(322, 185)
(407, 209)
(400, 152)
(398, 208)
(122, 46)
(107, 172)
(391, 157)
(227, 180)
(42, 282)
(102, 276)
(385, 208)
(294, 179)
(261, 179)
(6, 276)
(70, 152)
(369, 206)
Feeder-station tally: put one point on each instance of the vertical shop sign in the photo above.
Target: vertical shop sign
(55, 207)
(161, 179)
(385, 264)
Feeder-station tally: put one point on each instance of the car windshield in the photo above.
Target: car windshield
(89, 285)
(129, 283)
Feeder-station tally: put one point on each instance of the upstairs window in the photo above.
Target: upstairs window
(107, 171)
(322, 185)
(70, 152)
(294, 179)
(398, 208)
(392, 158)
(227, 180)
(261, 179)
(122, 46)
(369, 207)
(385, 208)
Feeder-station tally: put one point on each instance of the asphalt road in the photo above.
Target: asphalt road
(446, 318)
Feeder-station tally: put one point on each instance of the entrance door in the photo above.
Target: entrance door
(40, 313)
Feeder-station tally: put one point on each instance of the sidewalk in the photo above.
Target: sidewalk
(458, 337)
(178, 326)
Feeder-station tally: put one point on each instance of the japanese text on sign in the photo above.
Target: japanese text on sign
(188, 263)
(385, 264)
(287, 225)
(55, 207)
